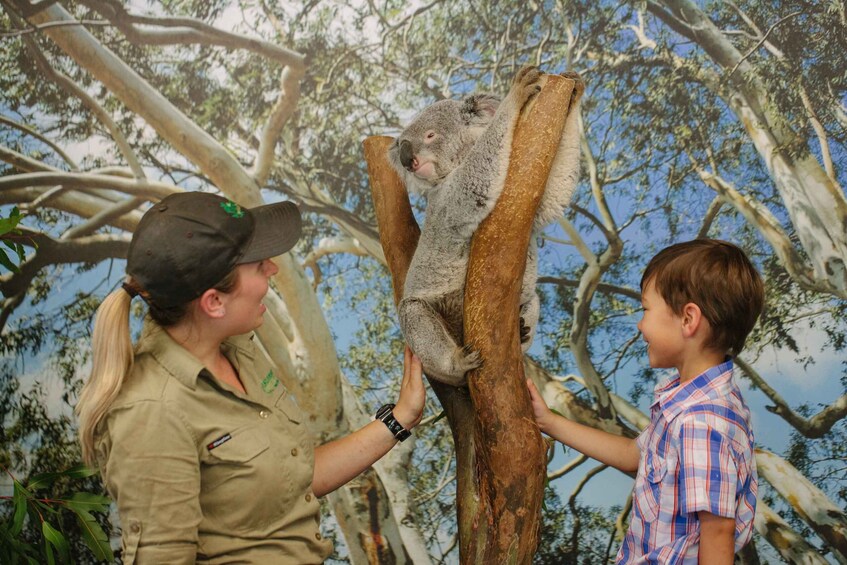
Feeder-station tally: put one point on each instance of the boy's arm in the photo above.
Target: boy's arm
(717, 539)
(619, 452)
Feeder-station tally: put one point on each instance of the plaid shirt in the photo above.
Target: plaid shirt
(696, 455)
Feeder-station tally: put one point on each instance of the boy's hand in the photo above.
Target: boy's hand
(543, 415)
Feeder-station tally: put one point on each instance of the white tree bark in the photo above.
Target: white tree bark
(792, 547)
(812, 505)
(817, 207)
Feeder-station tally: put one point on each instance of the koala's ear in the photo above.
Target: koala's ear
(479, 108)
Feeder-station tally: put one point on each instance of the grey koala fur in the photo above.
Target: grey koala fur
(456, 155)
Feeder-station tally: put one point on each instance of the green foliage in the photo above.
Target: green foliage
(10, 235)
(47, 515)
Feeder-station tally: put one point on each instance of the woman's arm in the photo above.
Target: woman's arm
(339, 461)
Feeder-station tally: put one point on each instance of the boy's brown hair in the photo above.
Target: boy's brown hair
(716, 276)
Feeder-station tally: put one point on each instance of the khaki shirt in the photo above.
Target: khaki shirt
(203, 473)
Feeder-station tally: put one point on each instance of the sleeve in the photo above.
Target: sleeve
(708, 473)
(153, 472)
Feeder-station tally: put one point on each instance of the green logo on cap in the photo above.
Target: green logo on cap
(232, 209)
(270, 383)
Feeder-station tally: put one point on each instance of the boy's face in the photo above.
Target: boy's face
(661, 329)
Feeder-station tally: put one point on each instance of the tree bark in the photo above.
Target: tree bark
(792, 547)
(399, 234)
(510, 454)
(813, 506)
(501, 466)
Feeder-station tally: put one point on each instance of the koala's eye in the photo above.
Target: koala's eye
(430, 135)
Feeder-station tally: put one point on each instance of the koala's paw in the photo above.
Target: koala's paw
(526, 84)
(465, 359)
(579, 86)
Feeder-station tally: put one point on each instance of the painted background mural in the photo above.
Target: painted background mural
(720, 119)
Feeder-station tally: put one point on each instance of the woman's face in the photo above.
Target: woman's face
(244, 306)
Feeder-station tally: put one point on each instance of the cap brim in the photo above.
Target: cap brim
(277, 228)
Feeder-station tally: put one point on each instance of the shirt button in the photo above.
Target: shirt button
(308, 498)
(318, 536)
(294, 452)
(264, 414)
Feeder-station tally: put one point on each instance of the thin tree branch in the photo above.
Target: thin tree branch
(103, 218)
(605, 288)
(188, 31)
(65, 82)
(26, 129)
(816, 426)
(281, 112)
(24, 163)
(135, 187)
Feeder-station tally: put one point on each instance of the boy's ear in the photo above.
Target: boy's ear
(692, 319)
(211, 303)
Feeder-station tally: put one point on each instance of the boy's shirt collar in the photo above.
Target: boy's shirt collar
(673, 398)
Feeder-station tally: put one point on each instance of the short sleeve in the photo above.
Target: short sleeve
(708, 472)
(153, 471)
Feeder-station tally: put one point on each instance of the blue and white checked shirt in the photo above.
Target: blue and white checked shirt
(696, 454)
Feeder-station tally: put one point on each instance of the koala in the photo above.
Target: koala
(456, 155)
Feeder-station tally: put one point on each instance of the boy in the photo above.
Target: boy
(695, 492)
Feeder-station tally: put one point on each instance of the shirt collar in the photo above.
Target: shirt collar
(673, 398)
(177, 360)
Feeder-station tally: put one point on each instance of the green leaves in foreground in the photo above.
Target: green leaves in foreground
(9, 234)
(54, 547)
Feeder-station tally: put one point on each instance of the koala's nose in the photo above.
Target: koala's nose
(407, 156)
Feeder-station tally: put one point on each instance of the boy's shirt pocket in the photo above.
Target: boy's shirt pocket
(647, 494)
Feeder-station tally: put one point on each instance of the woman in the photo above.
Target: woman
(198, 442)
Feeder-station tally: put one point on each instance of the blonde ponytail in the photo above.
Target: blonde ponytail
(111, 362)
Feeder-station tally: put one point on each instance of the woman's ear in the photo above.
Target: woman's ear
(212, 304)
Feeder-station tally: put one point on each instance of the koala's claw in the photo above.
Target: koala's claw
(466, 359)
(526, 84)
(524, 329)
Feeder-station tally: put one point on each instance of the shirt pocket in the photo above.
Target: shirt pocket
(237, 487)
(648, 491)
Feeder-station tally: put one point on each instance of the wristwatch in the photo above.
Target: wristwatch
(386, 416)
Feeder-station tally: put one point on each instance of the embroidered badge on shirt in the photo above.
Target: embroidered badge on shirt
(270, 383)
(221, 440)
(232, 209)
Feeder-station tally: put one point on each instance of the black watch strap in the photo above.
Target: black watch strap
(386, 415)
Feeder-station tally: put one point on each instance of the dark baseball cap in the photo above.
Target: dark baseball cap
(189, 241)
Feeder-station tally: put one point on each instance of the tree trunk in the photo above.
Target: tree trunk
(510, 454)
(501, 468)
(399, 234)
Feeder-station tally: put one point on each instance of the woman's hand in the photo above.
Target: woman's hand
(409, 408)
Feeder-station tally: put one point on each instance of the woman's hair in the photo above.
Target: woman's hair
(112, 354)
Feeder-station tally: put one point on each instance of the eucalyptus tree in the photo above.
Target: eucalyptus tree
(723, 119)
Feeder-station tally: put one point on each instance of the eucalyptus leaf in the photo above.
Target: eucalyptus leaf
(94, 536)
(56, 539)
(19, 499)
